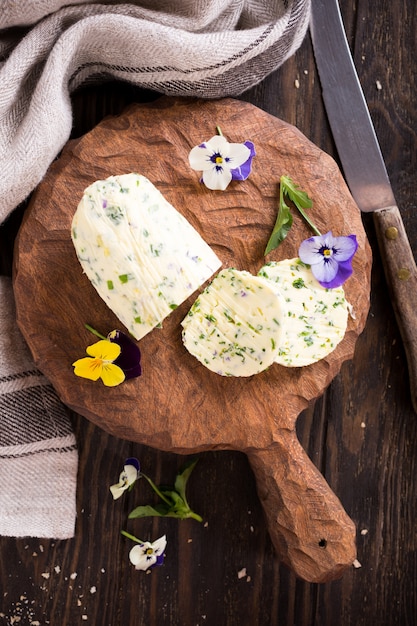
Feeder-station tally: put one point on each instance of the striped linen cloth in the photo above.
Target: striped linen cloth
(38, 454)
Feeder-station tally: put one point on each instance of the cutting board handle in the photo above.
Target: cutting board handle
(309, 528)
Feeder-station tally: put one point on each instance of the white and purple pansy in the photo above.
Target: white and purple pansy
(221, 161)
(146, 554)
(127, 478)
(330, 258)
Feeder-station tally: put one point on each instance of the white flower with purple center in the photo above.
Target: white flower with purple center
(330, 258)
(221, 161)
(147, 554)
(127, 478)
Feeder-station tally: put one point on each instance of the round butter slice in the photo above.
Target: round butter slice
(141, 255)
(234, 326)
(316, 318)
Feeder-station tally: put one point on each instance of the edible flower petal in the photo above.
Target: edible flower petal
(99, 363)
(129, 357)
(330, 258)
(242, 172)
(127, 478)
(146, 555)
(218, 160)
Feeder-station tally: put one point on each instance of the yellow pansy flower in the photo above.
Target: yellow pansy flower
(99, 363)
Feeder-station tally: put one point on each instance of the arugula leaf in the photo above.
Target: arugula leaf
(299, 197)
(301, 200)
(283, 223)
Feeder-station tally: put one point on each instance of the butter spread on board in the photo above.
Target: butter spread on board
(316, 318)
(234, 326)
(141, 255)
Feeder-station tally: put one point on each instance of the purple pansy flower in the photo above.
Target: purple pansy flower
(330, 258)
(221, 161)
(129, 358)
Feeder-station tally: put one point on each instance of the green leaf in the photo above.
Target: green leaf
(182, 478)
(174, 502)
(299, 197)
(301, 200)
(159, 510)
(282, 224)
(172, 495)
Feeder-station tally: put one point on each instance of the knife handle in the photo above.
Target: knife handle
(401, 274)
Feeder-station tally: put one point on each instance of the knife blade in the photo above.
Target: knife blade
(364, 168)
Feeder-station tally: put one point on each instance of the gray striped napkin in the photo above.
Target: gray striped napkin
(38, 455)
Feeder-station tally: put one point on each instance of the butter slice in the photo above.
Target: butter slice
(141, 255)
(316, 318)
(234, 328)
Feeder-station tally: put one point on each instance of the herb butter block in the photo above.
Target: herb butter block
(234, 328)
(141, 255)
(316, 318)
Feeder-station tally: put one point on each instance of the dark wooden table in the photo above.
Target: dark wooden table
(362, 434)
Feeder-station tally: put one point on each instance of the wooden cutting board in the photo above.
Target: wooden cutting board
(178, 405)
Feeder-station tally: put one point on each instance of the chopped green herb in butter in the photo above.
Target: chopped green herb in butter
(141, 255)
(233, 327)
(317, 317)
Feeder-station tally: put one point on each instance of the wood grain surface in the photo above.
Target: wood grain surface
(361, 435)
(178, 405)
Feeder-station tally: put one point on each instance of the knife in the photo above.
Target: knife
(364, 168)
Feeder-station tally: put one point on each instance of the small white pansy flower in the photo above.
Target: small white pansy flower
(147, 554)
(217, 159)
(127, 477)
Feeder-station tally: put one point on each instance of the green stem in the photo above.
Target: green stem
(155, 488)
(187, 515)
(132, 537)
(219, 131)
(94, 331)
